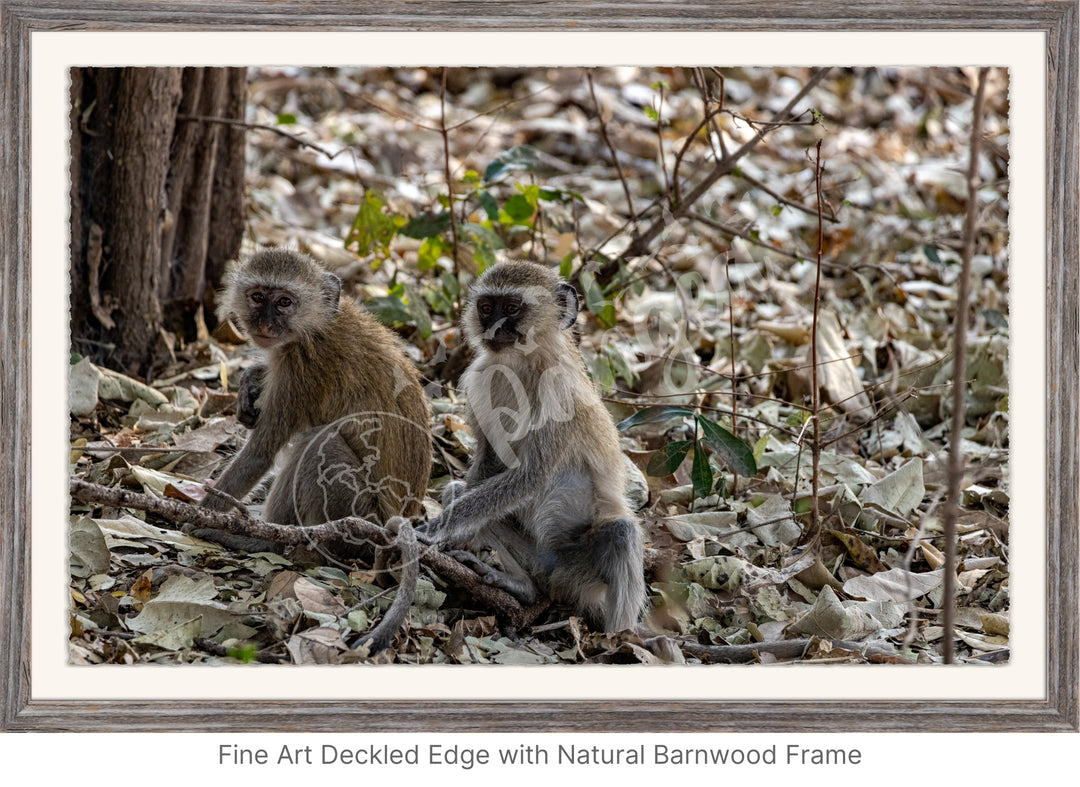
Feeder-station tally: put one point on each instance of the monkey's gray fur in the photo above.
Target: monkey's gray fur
(546, 484)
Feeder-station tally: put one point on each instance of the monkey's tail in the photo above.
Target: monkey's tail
(382, 635)
(622, 559)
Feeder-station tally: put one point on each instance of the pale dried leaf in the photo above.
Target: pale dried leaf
(896, 584)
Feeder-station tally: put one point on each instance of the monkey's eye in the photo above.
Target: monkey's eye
(512, 310)
(284, 302)
(484, 309)
(257, 297)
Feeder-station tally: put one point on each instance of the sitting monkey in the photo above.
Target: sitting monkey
(336, 389)
(546, 484)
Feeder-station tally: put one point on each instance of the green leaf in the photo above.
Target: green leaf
(450, 284)
(667, 460)
(701, 474)
(372, 229)
(566, 265)
(518, 209)
(603, 373)
(759, 447)
(439, 300)
(427, 256)
(620, 365)
(401, 307)
(286, 119)
(932, 254)
(651, 415)
(244, 652)
(484, 243)
(734, 452)
(606, 317)
(388, 309)
(995, 319)
(488, 203)
(559, 195)
(426, 225)
(594, 296)
(651, 113)
(520, 158)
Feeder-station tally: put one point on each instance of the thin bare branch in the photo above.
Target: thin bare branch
(446, 168)
(640, 245)
(815, 393)
(611, 148)
(960, 329)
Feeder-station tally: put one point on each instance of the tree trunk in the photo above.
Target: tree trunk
(151, 186)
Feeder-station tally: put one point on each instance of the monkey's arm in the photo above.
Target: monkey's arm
(248, 466)
(251, 385)
(492, 498)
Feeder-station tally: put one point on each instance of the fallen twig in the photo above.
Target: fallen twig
(789, 649)
(350, 530)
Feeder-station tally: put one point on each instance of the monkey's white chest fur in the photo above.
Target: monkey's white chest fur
(514, 400)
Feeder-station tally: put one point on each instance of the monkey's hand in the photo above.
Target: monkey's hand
(251, 385)
(428, 532)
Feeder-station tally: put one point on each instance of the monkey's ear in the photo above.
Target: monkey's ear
(331, 291)
(567, 298)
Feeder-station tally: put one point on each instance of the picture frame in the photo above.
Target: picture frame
(1058, 710)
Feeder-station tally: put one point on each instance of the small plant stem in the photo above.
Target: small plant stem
(815, 395)
(611, 149)
(960, 327)
(757, 184)
(446, 165)
(660, 149)
(734, 395)
(639, 246)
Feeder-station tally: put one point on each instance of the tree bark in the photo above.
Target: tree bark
(156, 205)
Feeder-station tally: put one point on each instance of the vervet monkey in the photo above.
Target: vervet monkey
(546, 484)
(336, 388)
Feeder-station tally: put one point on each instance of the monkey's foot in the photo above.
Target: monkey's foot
(467, 558)
(521, 588)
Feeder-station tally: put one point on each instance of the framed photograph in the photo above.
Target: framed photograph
(1028, 676)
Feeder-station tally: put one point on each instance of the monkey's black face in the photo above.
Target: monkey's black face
(269, 313)
(502, 318)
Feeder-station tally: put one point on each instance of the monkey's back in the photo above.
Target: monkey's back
(359, 377)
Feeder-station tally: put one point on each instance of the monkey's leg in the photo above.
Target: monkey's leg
(322, 479)
(599, 570)
(452, 492)
(515, 548)
(514, 580)
(247, 467)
